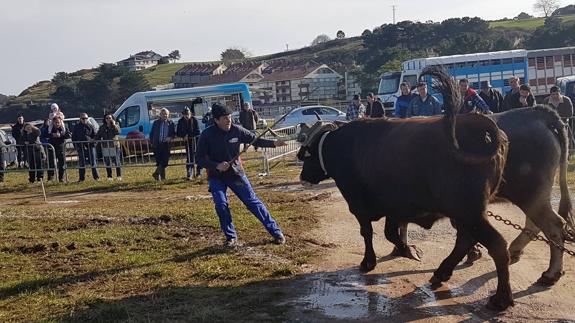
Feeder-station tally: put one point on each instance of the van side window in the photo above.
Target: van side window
(129, 117)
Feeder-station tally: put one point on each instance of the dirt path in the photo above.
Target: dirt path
(398, 288)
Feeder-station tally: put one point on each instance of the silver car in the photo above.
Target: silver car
(308, 115)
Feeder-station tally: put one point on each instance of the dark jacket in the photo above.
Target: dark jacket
(494, 100)
(511, 101)
(374, 109)
(565, 109)
(17, 130)
(83, 132)
(44, 134)
(418, 107)
(108, 133)
(33, 144)
(58, 142)
(249, 119)
(207, 119)
(155, 132)
(188, 127)
(402, 104)
(216, 146)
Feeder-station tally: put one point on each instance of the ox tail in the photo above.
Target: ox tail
(444, 84)
(565, 206)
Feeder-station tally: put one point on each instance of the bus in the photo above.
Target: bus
(136, 115)
(539, 68)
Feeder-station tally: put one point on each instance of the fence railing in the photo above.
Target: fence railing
(109, 154)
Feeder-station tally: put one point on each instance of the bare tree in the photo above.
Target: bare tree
(546, 6)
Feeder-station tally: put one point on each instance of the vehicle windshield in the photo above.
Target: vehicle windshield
(389, 84)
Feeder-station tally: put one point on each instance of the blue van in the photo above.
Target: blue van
(136, 115)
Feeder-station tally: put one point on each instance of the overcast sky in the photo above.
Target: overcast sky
(42, 37)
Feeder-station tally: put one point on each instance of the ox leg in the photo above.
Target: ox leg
(397, 234)
(522, 240)
(551, 224)
(369, 261)
(497, 248)
(462, 245)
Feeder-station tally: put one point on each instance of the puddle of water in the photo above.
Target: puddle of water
(349, 296)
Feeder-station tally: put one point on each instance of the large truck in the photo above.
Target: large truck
(539, 68)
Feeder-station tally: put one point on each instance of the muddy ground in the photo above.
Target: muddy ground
(398, 290)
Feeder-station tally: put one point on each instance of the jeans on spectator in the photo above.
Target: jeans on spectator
(87, 156)
(108, 161)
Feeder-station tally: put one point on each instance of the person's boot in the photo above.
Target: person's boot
(156, 173)
(163, 173)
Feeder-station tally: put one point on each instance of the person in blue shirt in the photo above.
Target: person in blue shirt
(424, 104)
(402, 102)
(218, 151)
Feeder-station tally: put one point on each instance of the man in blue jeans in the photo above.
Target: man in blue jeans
(218, 150)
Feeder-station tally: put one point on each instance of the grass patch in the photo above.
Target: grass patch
(526, 24)
(161, 74)
(137, 250)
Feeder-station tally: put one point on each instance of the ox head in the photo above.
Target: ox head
(309, 137)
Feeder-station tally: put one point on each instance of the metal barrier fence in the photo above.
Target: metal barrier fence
(37, 159)
(117, 154)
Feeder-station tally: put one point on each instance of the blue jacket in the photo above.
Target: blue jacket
(418, 107)
(402, 104)
(155, 132)
(216, 146)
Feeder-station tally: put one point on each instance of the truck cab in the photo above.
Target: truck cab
(567, 86)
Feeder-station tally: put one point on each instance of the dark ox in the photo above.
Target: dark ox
(417, 171)
(538, 146)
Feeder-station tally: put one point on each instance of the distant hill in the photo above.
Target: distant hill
(526, 24)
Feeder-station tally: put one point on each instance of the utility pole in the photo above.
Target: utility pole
(287, 47)
(393, 8)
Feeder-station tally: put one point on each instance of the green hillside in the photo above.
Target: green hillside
(161, 74)
(525, 24)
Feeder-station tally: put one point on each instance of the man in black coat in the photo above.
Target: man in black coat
(83, 136)
(17, 133)
(374, 107)
(492, 97)
(189, 129)
(163, 131)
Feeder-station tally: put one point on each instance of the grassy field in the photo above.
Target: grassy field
(161, 74)
(139, 250)
(526, 24)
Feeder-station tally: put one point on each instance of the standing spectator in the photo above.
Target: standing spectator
(55, 112)
(402, 102)
(34, 152)
(163, 130)
(57, 138)
(218, 151)
(249, 120)
(44, 130)
(207, 118)
(514, 84)
(521, 99)
(374, 107)
(355, 110)
(17, 133)
(560, 103)
(189, 129)
(424, 104)
(83, 136)
(471, 100)
(492, 97)
(108, 133)
(4, 143)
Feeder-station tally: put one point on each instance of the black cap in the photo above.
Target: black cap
(186, 110)
(356, 96)
(219, 110)
(485, 85)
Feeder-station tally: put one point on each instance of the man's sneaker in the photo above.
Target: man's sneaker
(110, 179)
(231, 243)
(281, 239)
(119, 178)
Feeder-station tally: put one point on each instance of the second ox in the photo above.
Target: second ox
(417, 171)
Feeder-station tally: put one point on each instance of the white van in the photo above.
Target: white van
(136, 115)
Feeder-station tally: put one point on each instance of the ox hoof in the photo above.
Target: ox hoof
(411, 252)
(497, 303)
(549, 281)
(514, 257)
(437, 279)
(473, 256)
(367, 265)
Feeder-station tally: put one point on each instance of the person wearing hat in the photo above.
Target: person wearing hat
(218, 152)
(492, 97)
(163, 131)
(189, 129)
(355, 110)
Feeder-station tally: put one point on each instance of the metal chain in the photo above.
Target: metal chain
(531, 234)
